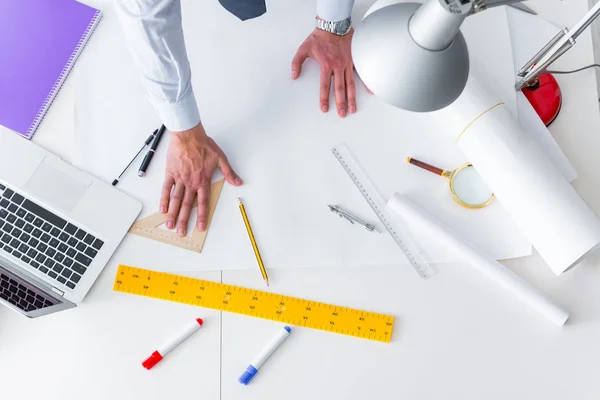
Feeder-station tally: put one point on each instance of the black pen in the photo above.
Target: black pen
(150, 154)
(146, 143)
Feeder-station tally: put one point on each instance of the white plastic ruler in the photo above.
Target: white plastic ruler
(378, 204)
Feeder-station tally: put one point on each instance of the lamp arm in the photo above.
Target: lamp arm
(481, 5)
(552, 51)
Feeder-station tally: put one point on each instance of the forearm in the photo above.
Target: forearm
(154, 33)
(334, 10)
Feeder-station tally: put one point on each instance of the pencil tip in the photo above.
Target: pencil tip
(239, 200)
(266, 280)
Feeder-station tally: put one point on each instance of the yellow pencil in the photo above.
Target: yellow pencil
(263, 271)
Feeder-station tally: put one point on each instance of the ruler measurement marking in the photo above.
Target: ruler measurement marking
(341, 152)
(273, 306)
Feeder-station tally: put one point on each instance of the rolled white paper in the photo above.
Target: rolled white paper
(543, 204)
(413, 215)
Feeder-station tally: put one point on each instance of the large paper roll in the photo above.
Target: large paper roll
(415, 216)
(543, 204)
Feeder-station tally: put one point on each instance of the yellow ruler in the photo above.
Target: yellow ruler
(255, 303)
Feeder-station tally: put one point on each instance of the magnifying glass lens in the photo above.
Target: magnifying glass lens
(469, 188)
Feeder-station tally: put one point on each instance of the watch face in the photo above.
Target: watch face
(344, 27)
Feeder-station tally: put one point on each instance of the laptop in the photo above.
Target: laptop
(58, 228)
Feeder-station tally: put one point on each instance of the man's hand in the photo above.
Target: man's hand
(333, 52)
(191, 160)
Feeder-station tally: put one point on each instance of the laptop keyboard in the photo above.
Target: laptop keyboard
(44, 240)
(21, 296)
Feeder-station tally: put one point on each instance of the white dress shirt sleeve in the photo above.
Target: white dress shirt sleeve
(154, 33)
(334, 10)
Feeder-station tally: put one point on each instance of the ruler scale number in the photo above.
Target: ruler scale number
(255, 303)
(168, 237)
(376, 201)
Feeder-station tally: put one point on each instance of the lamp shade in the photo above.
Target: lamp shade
(396, 68)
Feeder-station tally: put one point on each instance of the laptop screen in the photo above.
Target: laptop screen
(21, 294)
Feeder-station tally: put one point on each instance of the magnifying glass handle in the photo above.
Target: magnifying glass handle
(425, 166)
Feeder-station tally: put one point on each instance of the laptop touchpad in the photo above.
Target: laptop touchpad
(57, 184)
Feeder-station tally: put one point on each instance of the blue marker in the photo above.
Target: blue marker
(264, 355)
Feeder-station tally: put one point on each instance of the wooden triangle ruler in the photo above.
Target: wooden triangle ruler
(149, 227)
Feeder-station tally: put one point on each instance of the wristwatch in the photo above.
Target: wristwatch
(339, 28)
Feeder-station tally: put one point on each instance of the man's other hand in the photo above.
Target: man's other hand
(191, 160)
(333, 53)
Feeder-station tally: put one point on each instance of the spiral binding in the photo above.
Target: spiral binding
(63, 75)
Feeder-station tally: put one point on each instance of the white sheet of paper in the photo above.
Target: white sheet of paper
(529, 33)
(280, 143)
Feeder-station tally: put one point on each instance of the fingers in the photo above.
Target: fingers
(299, 58)
(166, 193)
(230, 175)
(340, 91)
(175, 204)
(203, 196)
(351, 90)
(325, 88)
(184, 213)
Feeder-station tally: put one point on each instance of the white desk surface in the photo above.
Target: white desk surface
(456, 336)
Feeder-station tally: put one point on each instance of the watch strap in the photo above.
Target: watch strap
(339, 28)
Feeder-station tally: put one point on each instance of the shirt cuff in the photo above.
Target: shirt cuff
(179, 116)
(334, 10)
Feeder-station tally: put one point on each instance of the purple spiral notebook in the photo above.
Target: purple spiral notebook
(40, 41)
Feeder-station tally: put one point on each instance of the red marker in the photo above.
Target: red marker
(172, 343)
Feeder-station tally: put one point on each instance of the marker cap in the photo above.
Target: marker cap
(248, 375)
(152, 360)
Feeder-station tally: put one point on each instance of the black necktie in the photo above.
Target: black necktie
(245, 9)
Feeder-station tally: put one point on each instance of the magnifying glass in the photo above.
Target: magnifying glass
(466, 186)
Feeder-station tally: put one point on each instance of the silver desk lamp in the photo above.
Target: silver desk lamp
(414, 56)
